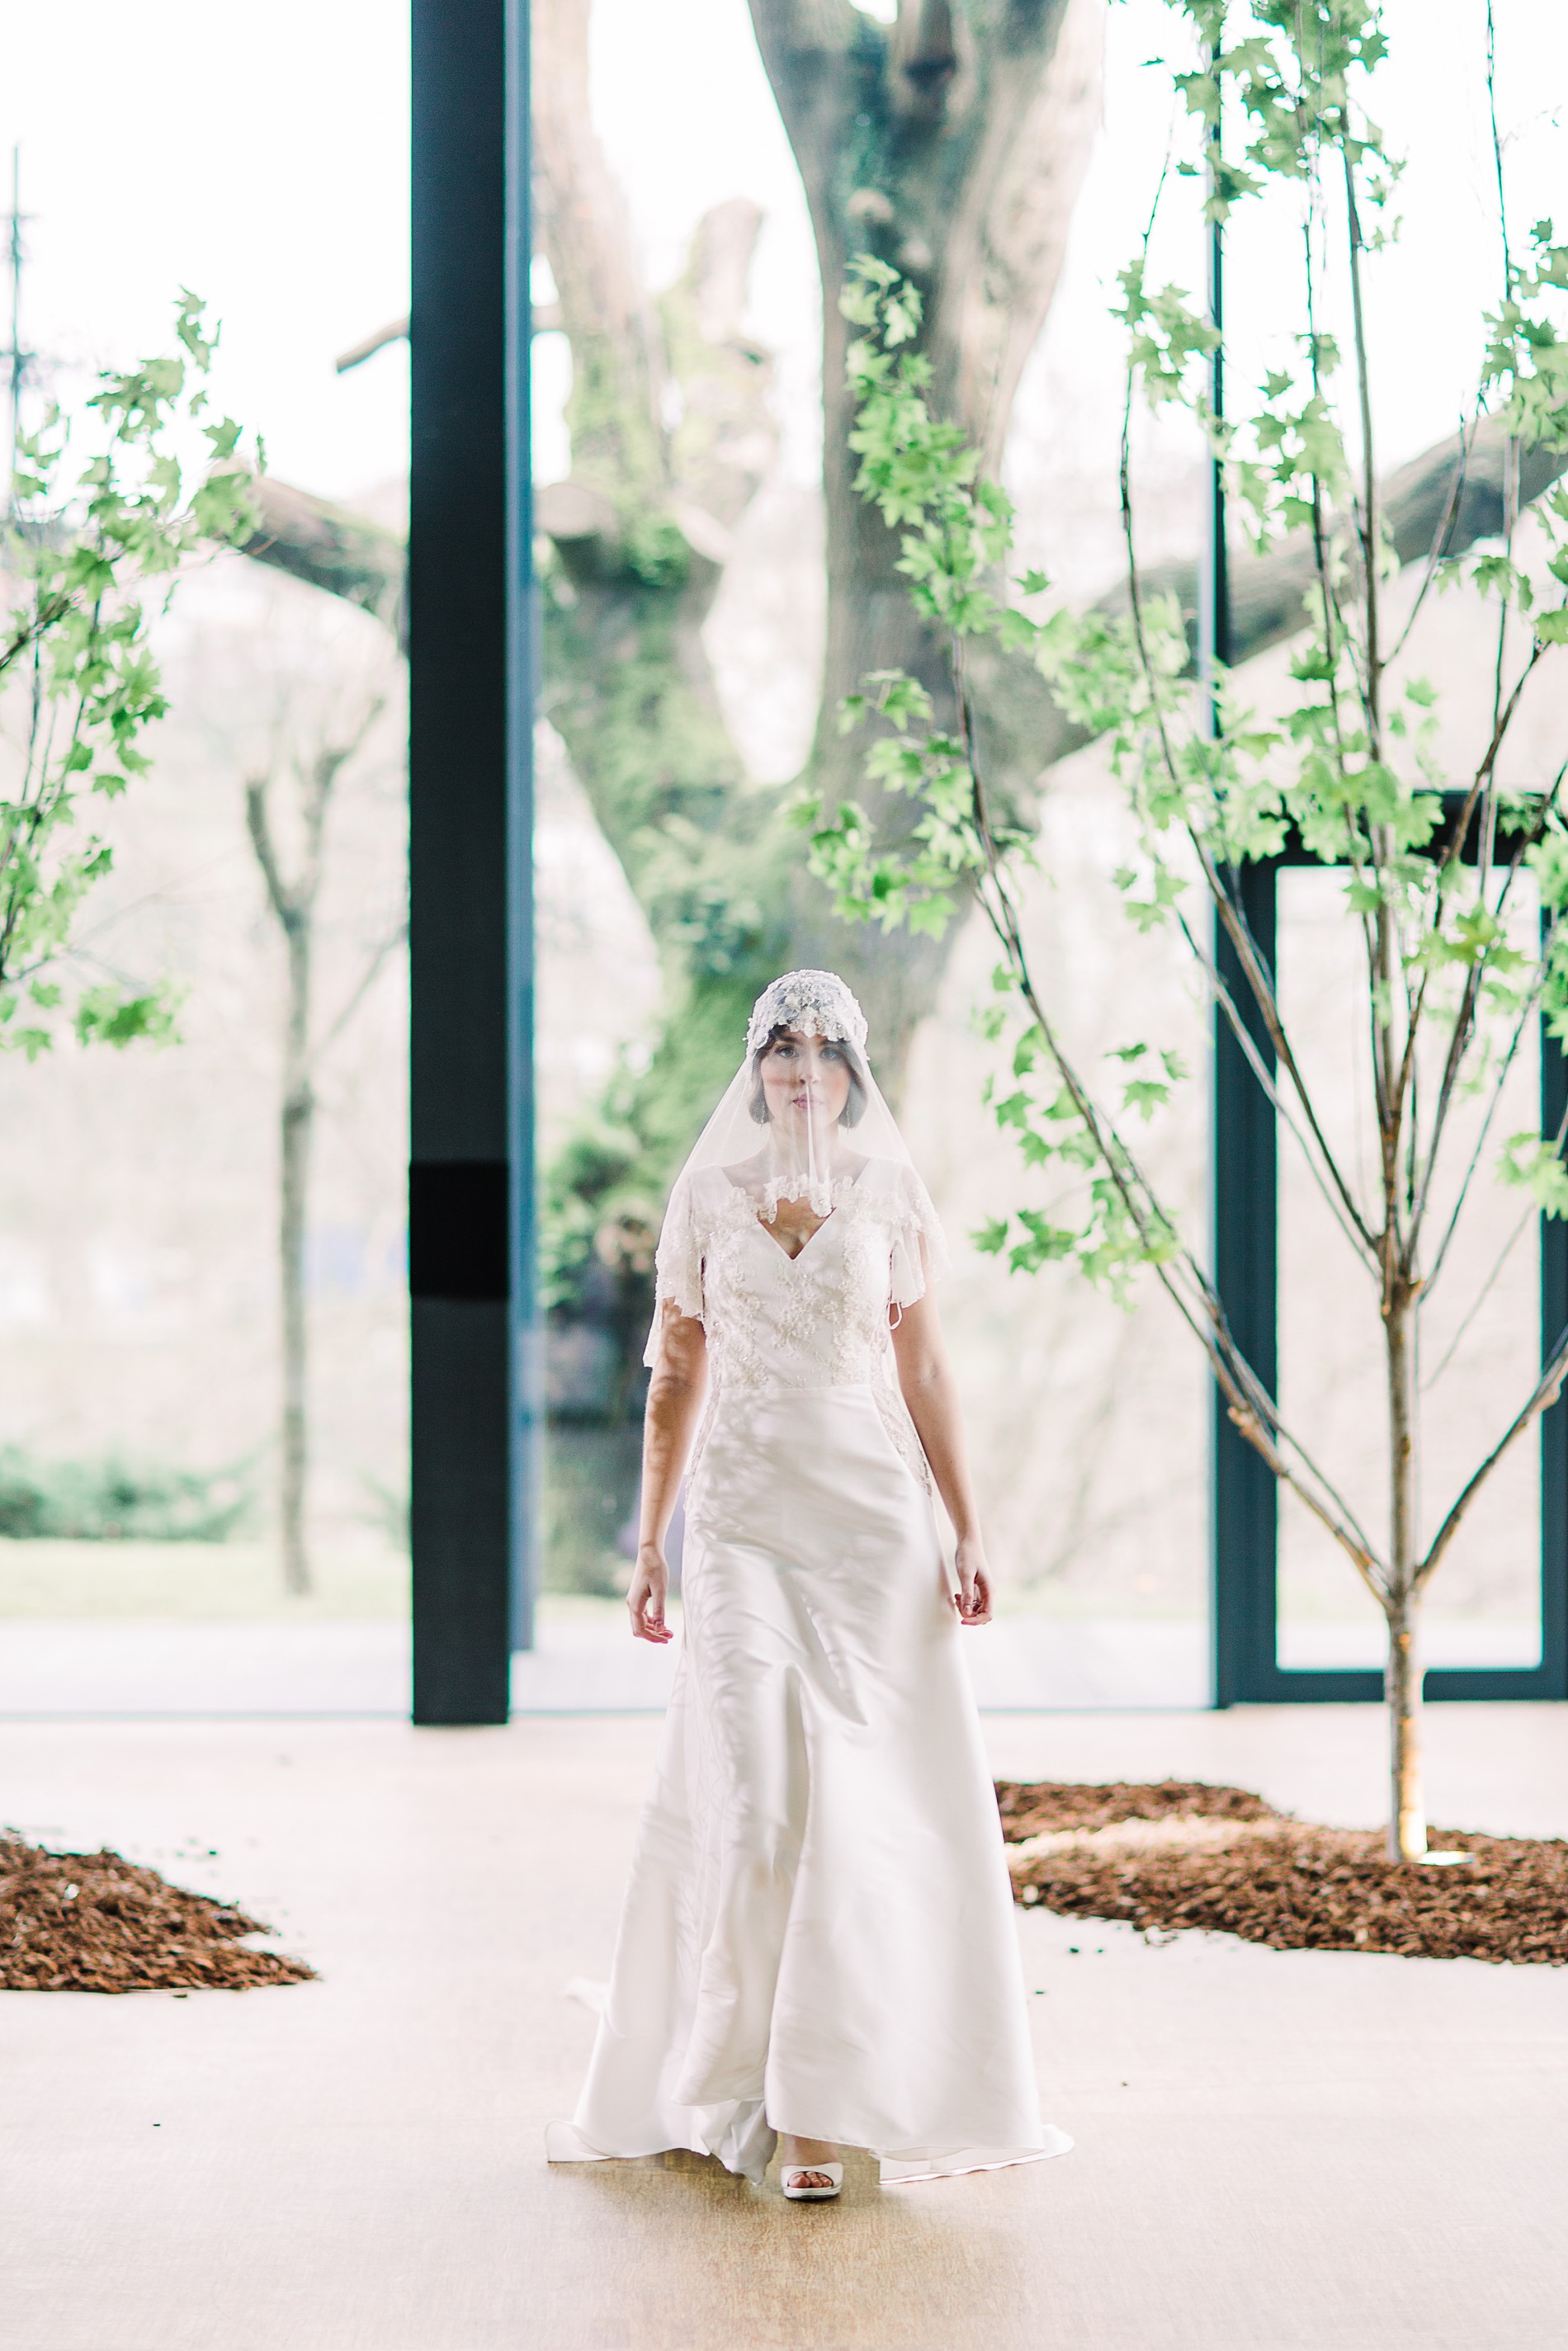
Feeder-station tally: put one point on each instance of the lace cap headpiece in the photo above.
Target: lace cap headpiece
(817, 1003)
(802, 1148)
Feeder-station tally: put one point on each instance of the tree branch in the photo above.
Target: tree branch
(357, 995)
(1251, 1408)
(616, 409)
(1542, 1397)
(258, 824)
(1449, 497)
(292, 902)
(1327, 1179)
(1527, 1012)
(1018, 719)
(330, 547)
(1463, 1027)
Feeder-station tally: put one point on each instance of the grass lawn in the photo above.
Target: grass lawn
(203, 1581)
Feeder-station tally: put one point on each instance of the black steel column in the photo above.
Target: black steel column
(1243, 1497)
(1243, 1161)
(527, 1408)
(467, 547)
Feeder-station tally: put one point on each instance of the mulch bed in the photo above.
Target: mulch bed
(1182, 1855)
(94, 1922)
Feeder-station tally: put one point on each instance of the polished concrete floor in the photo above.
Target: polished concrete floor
(1274, 2150)
(98, 1668)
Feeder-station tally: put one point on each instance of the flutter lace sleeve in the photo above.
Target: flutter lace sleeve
(919, 1253)
(678, 1266)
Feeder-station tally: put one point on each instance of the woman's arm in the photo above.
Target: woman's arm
(932, 1399)
(675, 1394)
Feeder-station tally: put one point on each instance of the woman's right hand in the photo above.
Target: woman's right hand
(650, 1587)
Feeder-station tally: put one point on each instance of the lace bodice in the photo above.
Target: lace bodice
(818, 1320)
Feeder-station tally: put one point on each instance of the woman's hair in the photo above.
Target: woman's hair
(853, 1110)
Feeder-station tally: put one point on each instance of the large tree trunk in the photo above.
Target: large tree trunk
(952, 144)
(346, 554)
(670, 435)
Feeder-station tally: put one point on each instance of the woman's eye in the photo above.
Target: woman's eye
(832, 1053)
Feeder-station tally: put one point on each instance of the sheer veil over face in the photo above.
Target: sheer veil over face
(801, 1119)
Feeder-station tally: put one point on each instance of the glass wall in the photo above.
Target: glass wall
(1479, 1339)
(263, 165)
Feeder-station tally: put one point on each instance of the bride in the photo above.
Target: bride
(817, 1944)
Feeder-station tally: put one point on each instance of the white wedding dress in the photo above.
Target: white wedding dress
(818, 1934)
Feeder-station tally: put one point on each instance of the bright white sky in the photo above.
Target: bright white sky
(263, 162)
(258, 157)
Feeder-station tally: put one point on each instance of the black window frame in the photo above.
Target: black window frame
(1244, 1496)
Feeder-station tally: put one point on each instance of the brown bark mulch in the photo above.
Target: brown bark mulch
(94, 1922)
(1030, 1807)
(1180, 1854)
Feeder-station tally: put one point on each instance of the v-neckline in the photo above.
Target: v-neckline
(789, 1256)
(839, 1183)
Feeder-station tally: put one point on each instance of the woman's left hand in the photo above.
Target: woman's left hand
(973, 1598)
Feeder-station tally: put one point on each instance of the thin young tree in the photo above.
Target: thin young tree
(294, 896)
(90, 535)
(1447, 991)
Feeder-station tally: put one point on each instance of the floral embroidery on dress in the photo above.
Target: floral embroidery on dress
(819, 1318)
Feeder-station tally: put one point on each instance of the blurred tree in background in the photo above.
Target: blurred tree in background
(118, 1500)
(311, 758)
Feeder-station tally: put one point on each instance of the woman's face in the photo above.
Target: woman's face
(805, 1080)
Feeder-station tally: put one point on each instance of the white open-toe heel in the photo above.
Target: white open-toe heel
(796, 2173)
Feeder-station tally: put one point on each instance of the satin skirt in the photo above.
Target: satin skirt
(818, 1934)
